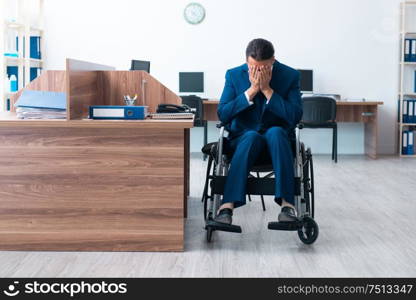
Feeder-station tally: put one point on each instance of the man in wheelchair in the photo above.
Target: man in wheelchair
(261, 105)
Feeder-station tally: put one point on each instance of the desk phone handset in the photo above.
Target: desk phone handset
(173, 108)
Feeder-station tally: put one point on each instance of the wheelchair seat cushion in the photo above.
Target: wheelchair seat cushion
(262, 164)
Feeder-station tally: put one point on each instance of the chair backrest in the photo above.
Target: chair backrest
(319, 110)
(195, 102)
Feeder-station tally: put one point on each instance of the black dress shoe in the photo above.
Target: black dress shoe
(288, 214)
(224, 216)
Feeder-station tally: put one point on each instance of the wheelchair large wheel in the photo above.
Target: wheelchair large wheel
(208, 193)
(312, 187)
(205, 208)
(208, 198)
(307, 180)
(309, 231)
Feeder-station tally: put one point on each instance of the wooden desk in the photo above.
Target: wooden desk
(347, 111)
(94, 185)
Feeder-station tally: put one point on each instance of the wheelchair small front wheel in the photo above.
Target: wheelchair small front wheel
(309, 231)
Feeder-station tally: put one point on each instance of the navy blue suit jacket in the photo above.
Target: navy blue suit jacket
(284, 108)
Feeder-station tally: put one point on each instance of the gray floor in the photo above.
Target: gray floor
(366, 210)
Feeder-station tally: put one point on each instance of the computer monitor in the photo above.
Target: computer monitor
(140, 65)
(191, 82)
(306, 81)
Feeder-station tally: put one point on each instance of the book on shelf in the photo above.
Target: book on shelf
(410, 50)
(34, 72)
(34, 51)
(407, 50)
(412, 56)
(408, 142)
(408, 111)
(35, 47)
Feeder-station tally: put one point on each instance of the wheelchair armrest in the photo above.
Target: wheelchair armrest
(219, 125)
(223, 131)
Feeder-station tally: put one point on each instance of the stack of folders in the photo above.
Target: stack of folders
(408, 142)
(41, 105)
(171, 116)
(409, 111)
(40, 113)
(410, 50)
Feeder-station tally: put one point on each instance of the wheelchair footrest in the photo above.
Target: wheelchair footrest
(222, 227)
(286, 226)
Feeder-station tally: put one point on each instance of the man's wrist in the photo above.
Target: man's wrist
(251, 92)
(268, 93)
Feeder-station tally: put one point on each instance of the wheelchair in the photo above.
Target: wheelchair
(216, 174)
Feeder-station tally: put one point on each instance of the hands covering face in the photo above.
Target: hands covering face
(260, 77)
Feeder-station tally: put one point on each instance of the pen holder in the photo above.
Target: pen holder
(129, 102)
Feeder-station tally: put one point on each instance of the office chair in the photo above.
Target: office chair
(197, 103)
(140, 65)
(321, 112)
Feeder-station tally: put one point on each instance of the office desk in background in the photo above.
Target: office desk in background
(347, 111)
(94, 185)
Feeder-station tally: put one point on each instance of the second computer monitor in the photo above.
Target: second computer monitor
(140, 65)
(191, 82)
(306, 80)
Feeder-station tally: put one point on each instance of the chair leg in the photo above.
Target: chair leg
(249, 198)
(336, 144)
(262, 202)
(205, 136)
(261, 196)
(333, 143)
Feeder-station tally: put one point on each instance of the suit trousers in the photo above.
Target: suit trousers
(247, 148)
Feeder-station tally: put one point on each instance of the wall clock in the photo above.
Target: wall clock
(194, 13)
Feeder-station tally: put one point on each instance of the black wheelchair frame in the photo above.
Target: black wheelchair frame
(217, 170)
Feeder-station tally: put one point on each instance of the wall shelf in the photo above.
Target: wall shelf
(14, 25)
(404, 67)
(36, 29)
(23, 28)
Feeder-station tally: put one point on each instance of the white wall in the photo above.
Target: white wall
(353, 45)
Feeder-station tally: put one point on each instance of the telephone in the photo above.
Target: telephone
(173, 108)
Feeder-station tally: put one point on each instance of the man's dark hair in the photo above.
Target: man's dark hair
(260, 49)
